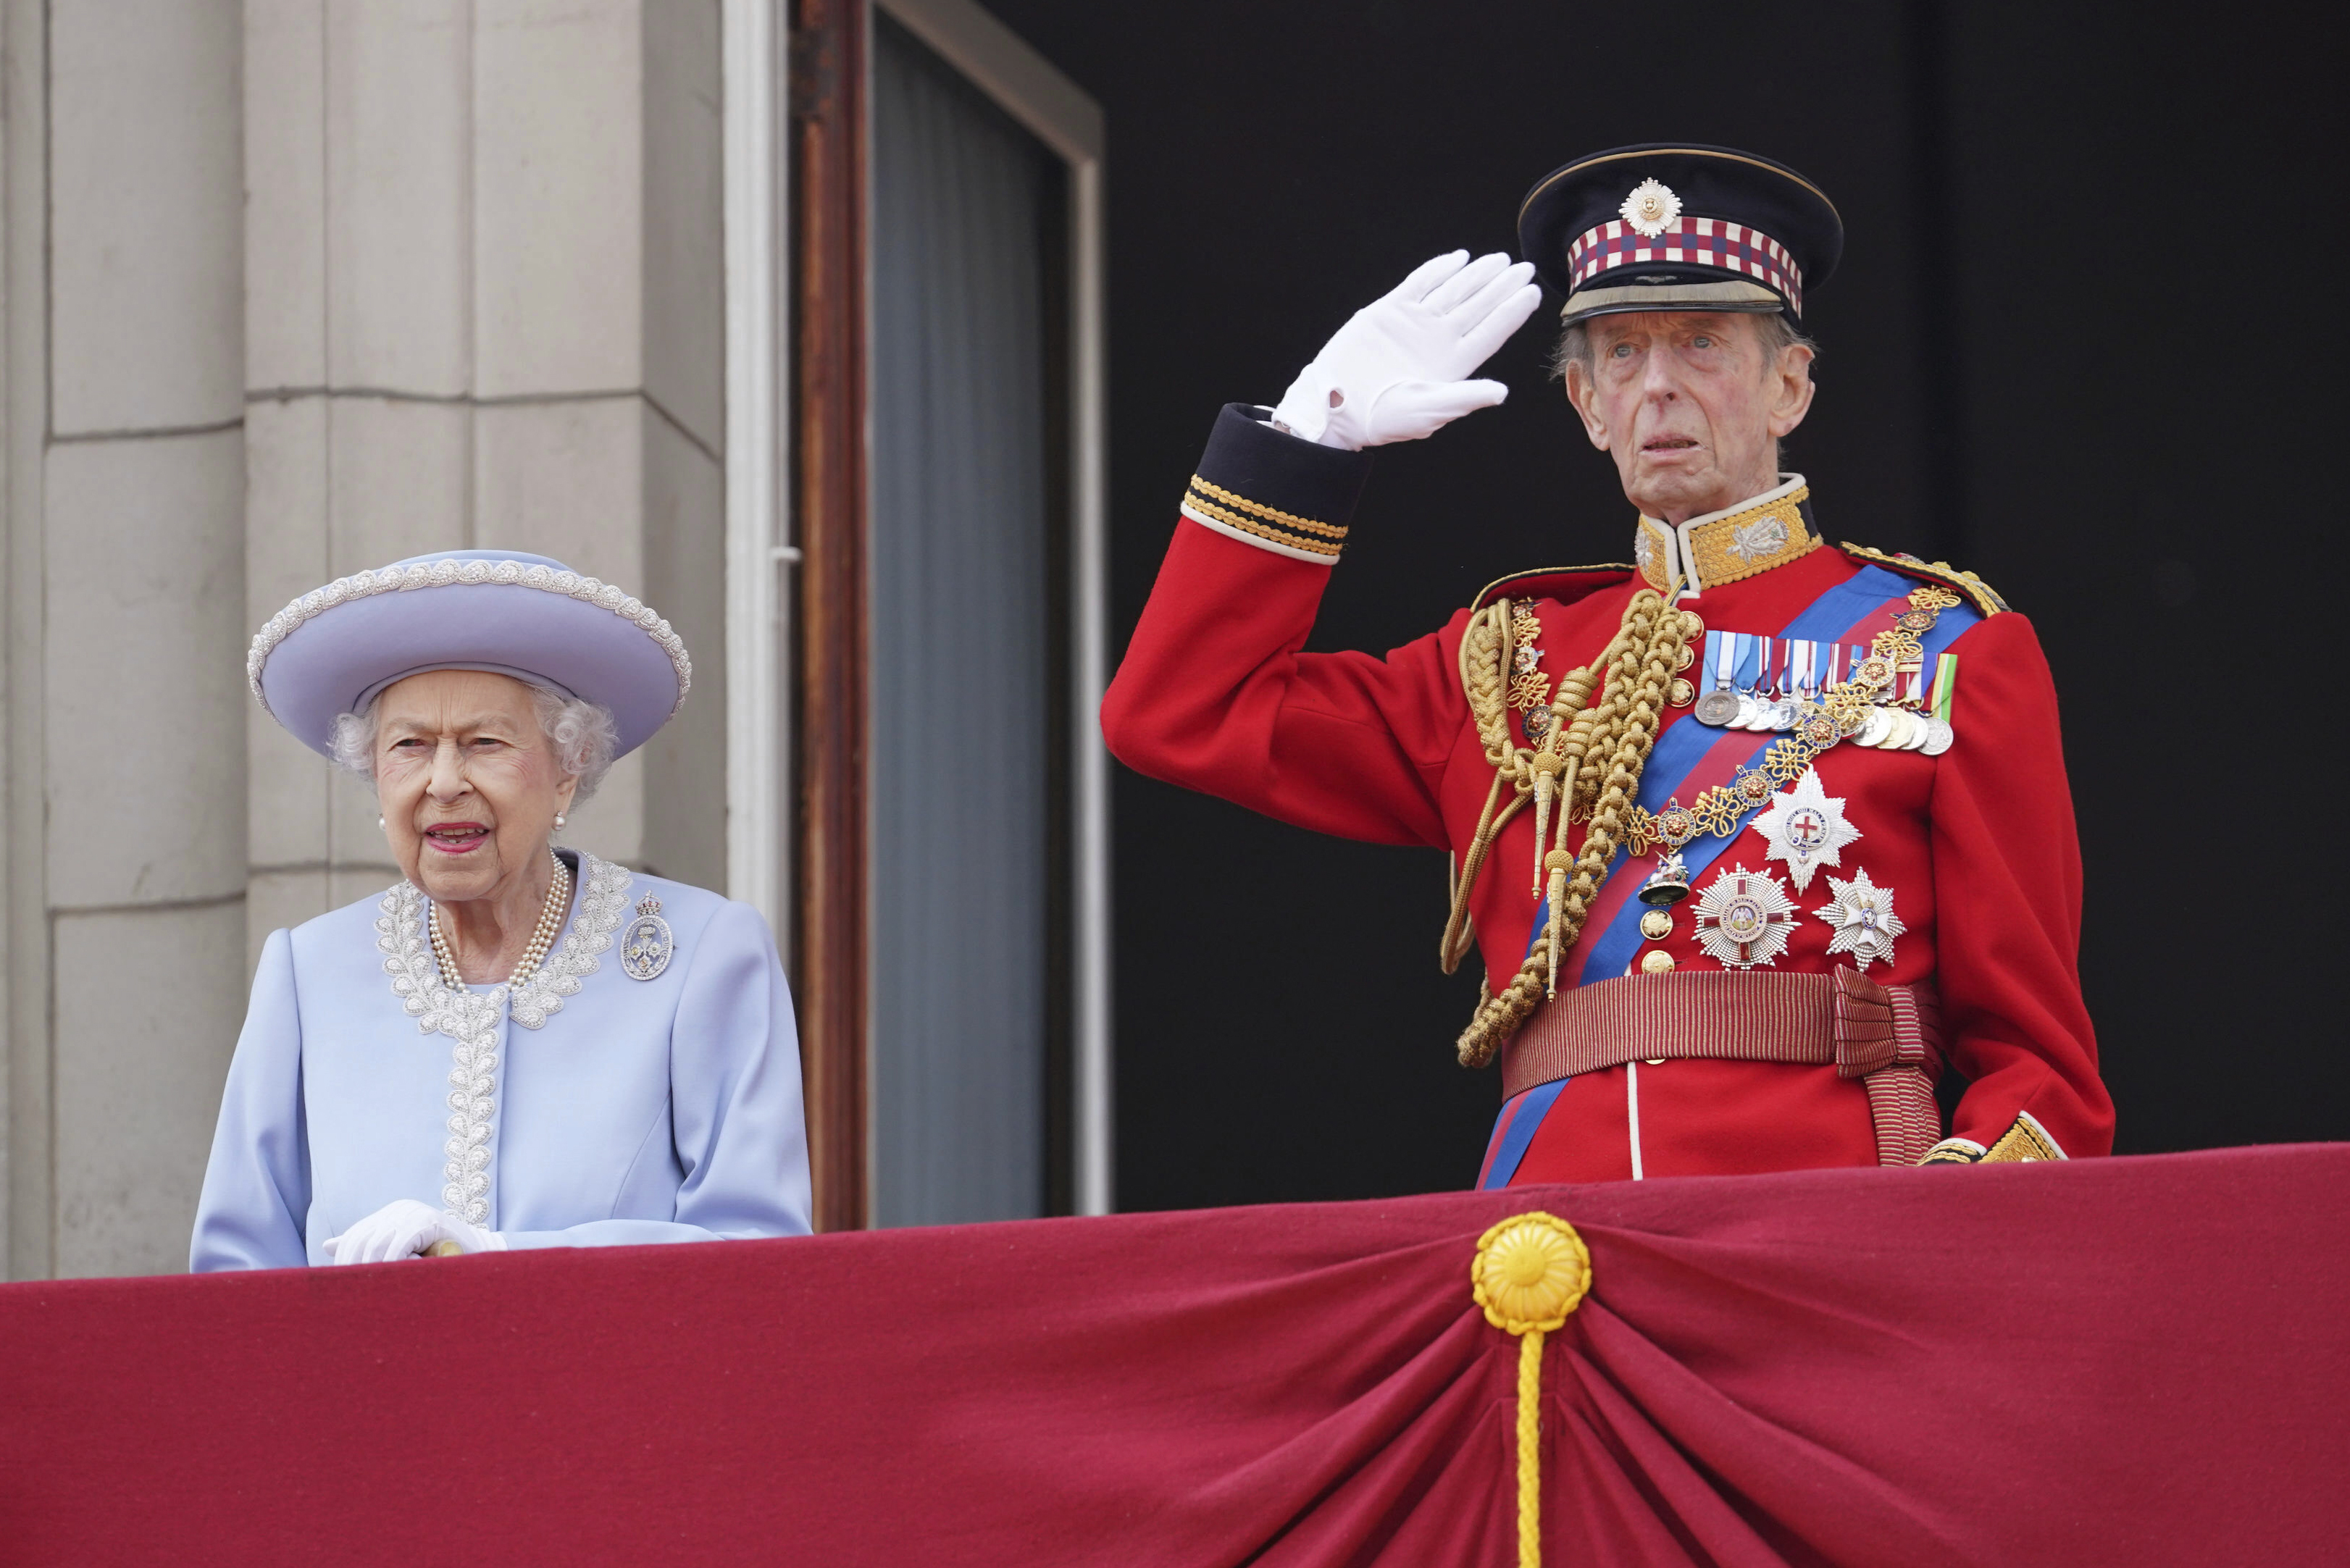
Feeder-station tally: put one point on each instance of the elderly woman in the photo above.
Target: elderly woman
(516, 1045)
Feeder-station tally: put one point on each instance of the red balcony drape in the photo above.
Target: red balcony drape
(2129, 1360)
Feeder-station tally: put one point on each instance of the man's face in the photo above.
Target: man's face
(1690, 405)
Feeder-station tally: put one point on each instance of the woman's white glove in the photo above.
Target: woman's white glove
(1396, 371)
(404, 1227)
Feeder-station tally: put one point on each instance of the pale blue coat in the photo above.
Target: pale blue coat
(659, 1110)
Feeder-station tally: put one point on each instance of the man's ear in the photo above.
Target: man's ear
(1584, 396)
(1791, 398)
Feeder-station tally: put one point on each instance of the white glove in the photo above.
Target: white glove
(1396, 371)
(404, 1227)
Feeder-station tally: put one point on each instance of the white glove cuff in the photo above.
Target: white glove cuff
(1304, 411)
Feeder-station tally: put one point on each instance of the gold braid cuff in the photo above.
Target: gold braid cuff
(2025, 1142)
(1228, 509)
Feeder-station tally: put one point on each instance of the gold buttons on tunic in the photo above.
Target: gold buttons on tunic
(1657, 924)
(1657, 961)
(1681, 693)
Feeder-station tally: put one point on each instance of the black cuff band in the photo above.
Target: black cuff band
(1274, 489)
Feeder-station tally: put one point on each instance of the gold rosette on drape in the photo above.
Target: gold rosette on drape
(1532, 1269)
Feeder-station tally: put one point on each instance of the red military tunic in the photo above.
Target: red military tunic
(1977, 845)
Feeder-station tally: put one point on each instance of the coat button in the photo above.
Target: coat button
(1655, 961)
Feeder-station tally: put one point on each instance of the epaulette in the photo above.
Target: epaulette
(1564, 584)
(1975, 588)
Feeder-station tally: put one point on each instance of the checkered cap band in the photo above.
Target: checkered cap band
(1704, 241)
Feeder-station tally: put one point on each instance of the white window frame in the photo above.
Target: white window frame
(758, 552)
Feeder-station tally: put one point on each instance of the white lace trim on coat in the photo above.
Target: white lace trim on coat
(470, 1018)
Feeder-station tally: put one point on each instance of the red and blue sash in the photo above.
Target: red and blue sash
(1689, 758)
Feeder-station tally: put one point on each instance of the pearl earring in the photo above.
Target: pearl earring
(558, 819)
(379, 825)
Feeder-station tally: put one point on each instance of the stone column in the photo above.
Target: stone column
(126, 865)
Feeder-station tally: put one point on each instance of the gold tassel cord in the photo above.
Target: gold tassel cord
(1558, 862)
(1546, 764)
(1530, 1362)
(1459, 932)
(1608, 744)
(1485, 657)
(1531, 1272)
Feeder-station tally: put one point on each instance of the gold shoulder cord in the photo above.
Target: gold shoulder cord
(1986, 599)
(1613, 736)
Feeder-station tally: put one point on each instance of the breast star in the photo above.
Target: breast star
(1863, 919)
(1805, 828)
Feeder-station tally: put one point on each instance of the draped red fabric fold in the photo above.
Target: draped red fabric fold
(2139, 1360)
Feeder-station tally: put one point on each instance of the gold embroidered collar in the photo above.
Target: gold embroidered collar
(1752, 537)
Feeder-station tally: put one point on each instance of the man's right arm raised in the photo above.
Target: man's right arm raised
(1216, 692)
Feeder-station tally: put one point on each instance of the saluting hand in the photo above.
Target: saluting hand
(1396, 372)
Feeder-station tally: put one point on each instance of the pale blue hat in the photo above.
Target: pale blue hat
(334, 649)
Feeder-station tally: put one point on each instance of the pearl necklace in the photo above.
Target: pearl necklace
(550, 921)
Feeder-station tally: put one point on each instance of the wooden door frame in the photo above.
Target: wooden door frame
(830, 162)
(829, 92)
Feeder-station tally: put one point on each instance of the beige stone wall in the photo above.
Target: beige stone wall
(295, 287)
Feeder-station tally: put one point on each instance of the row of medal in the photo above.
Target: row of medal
(1765, 684)
(1744, 918)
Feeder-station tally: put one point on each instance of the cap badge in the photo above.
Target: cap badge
(1651, 208)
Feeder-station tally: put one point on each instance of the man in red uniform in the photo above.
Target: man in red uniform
(1754, 834)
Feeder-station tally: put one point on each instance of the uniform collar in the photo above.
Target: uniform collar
(1769, 530)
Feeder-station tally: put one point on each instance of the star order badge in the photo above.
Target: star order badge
(1744, 918)
(646, 946)
(1863, 919)
(1805, 829)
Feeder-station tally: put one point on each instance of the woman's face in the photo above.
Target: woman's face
(468, 785)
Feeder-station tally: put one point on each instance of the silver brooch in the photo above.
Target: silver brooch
(1863, 919)
(1744, 918)
(646, 947)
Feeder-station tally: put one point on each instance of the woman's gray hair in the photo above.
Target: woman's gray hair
(581, 734)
